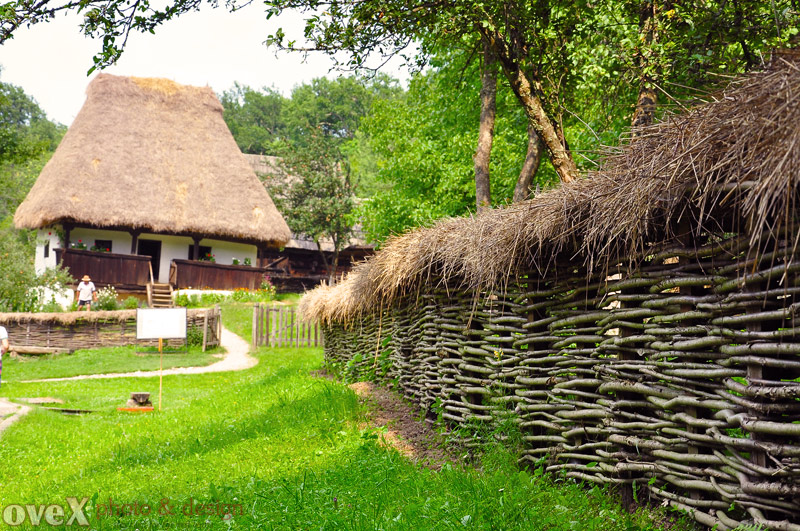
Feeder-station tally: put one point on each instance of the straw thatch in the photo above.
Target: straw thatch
(153, 155)
(728, 165)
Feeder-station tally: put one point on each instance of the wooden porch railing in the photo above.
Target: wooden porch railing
(121, 270)
(279, 326)
(209, 275)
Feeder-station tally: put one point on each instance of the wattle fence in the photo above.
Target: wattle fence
(640, 326)
(682, 378)
(69, 331)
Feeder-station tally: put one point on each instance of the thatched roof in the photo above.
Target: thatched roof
(734, 160)
(154, 155)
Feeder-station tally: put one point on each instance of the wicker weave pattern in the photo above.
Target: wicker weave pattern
(118, 329)
(683, 376)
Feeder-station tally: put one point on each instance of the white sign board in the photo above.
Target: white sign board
(164, 323)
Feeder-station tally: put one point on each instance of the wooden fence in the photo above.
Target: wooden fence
(680, 380)
(209, 275)
(30, 332)
(279, 326)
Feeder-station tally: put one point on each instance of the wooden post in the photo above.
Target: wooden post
(254, 333)
(219, 324)
(280, 327)
(294, 330)
(205, 329)
(196, 248)
(134, 241)
(268, 319)
(67, 229)
(160, 369)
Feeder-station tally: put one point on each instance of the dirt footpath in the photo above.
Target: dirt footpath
(416, 439)
(237, 358)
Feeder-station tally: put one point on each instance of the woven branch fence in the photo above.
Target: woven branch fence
(682, 377)
(83, 330)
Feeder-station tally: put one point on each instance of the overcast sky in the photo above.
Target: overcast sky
(211, 47)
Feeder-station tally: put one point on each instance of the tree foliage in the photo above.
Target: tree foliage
(27, 139)
(315, 196)
(423, 145)
(314, 133)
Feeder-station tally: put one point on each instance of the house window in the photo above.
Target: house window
(203, 250)
(47, 248)
(104, 246)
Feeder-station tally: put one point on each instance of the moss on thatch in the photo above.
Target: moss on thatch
(154, 155)
(731, 163)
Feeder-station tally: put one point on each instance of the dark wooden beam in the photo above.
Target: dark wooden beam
(67, 229)
(134, 240)
(196, 247)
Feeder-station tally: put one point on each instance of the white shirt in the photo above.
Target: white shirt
(85, 290)
(3, 333)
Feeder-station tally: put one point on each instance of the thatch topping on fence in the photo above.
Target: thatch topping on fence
(730, 163)
(69, 318)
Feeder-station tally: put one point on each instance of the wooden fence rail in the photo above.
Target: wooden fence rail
(279, 326)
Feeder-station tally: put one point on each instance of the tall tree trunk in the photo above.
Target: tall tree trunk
(529, 168)
(483, 194)
(548, 129)
(645, 110)
(325, 262)
(334, 266)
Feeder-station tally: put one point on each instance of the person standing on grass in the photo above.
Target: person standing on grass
(3, 348)
(86, 293)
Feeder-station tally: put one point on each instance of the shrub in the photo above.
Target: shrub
(106, 299)
(181, 299)
(130, 303)
(268, 287)
(52, 307)
(21, 289)
(194, 336)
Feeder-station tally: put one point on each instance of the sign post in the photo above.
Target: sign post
(161, 324)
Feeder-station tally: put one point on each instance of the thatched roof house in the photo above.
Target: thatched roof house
(154, 155)
(729, 165)
(150, 156)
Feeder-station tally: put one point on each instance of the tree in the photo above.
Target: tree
(526, 38)
(315, 197)
(423, 143)
(255, 118)
(27, 139)
(314, 133)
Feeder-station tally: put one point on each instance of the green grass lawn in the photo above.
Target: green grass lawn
(283, 450)
(99, 361)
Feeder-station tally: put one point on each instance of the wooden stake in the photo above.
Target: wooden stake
(160, 369)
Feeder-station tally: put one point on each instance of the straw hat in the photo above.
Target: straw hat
(86, 278)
